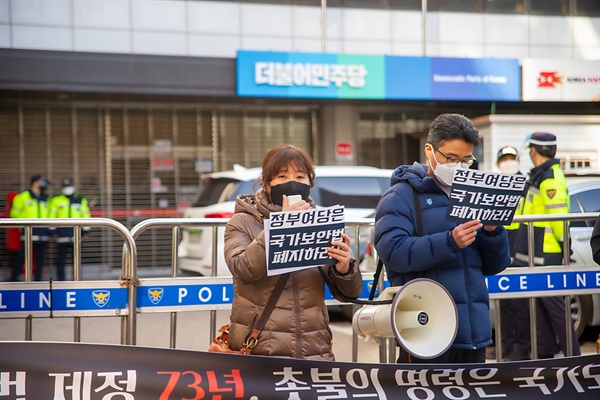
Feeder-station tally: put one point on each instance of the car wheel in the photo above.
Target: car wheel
(580, 312)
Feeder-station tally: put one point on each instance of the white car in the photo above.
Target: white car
(358, 188)
(585, 198)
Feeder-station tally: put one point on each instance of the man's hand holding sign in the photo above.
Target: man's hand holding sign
(482, 199)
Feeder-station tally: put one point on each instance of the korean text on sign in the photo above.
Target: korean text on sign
(488, 196)
(299, 239)
(309, 74)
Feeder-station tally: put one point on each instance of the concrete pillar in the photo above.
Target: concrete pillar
(338, 125)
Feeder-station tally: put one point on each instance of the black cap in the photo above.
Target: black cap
(541, 139)
(39, 178)
(507, 151)
(67, 182)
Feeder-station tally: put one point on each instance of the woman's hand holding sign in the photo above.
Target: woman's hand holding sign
(294, 203)
(341, 251)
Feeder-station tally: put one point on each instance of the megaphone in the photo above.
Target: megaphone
(422, 317)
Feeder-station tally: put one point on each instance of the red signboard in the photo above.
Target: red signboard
(343, 149)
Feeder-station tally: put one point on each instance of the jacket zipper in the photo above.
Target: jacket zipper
(469, 300)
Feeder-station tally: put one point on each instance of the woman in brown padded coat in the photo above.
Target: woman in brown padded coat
(299, 325)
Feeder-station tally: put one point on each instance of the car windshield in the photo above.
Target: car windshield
(350, 191)
(222, 189)
(585, 201)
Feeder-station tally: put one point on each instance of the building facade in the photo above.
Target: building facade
(135, 99)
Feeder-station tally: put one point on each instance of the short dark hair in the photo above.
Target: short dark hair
(452, 126)
(545, 151)
(278, 158)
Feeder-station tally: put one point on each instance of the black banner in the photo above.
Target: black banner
(43, 370)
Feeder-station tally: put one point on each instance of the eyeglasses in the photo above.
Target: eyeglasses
(453, 161)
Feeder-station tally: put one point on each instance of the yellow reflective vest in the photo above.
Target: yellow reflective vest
(69, 207)
(511, 230)
(547, 194)
(27, 205)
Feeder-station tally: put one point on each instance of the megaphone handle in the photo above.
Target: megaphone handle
(336, 292)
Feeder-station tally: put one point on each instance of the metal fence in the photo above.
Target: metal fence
(129, 266)
(128, 284)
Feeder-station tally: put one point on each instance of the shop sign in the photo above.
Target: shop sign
(344, 151)
(325, 75)
(560, 80)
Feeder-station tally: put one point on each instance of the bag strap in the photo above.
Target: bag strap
(376, 278)
(417, 213)
(252, 340)
(419, 233)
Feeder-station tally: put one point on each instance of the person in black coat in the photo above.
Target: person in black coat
(595, 241)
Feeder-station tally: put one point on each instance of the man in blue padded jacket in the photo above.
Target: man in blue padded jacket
(458, 256)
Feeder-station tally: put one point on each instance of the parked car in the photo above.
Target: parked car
(585, 198)
(358, 188)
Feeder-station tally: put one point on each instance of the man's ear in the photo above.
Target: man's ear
(428, 149)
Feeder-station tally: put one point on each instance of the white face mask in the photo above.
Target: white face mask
(68, 190)
(509, 167)
(443, 172)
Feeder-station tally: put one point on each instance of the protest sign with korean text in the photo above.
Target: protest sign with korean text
(489, 197)
(299, 239)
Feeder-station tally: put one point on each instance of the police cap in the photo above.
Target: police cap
(541, 139)
(68, 182)
(39, 178)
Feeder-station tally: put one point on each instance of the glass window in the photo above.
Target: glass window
(406, 5)
(504, 6)
(589, 200)
(455, 5)
(352, 192)
(211, 190)
(245, 187)
(550, 7)
(589, 8)
(363, 3)
(575, 207)
(585, 202)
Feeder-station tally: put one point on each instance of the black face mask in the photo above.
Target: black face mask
(289, 188)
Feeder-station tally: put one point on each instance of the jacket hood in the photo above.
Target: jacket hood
(416, 176)
(255, 204)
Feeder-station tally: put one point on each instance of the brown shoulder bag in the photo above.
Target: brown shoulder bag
(220, 344)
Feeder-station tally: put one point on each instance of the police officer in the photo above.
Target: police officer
(514, 313)
(32, 203)
(546, 194)
(67, 205)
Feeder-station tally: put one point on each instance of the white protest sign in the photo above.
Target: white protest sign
(299, 239)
